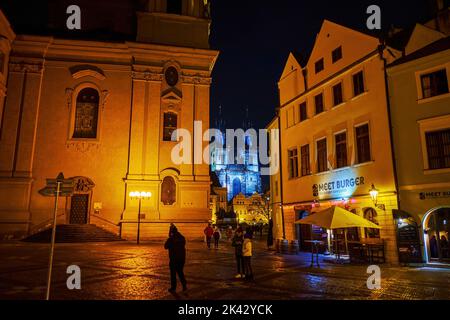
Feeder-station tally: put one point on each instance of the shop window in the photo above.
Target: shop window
(337, 94)
(170, 125)
(363, 144)
(371, 215)
(304, 151)
(358, 83)
(319, 66)
(341, 149)
(86, 114)
(293, 163)
(438, 149)
(318, 100)
(174, 6)
(303, 112)
(168, 191)
(336, 55)
(322, 155)
(434, 84)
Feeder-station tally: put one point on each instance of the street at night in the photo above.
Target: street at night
(123, 271)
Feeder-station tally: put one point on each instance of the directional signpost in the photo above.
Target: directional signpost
(55, 188)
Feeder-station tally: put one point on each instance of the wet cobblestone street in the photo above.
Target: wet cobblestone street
(122, 271)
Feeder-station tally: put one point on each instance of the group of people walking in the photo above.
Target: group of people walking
(242, 244)
(240, 241)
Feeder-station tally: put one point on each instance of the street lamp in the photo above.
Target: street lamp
(140, 195)
(374, 195)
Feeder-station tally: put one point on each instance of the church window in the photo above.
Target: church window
(168, 191)
(174, 6)
(86, 114)
(170, 125)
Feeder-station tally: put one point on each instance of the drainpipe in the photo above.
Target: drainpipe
(381, 49)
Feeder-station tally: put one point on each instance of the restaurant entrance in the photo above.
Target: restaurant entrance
(436, 232)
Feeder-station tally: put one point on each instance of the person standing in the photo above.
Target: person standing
(176, 244)
(217, 235)
(237, 242)
(209, 231)
(247, 254)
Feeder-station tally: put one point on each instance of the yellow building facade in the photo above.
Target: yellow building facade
(335, 137)
(103, 113)
(420, 107)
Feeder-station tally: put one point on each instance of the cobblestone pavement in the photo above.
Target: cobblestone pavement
(122, 271)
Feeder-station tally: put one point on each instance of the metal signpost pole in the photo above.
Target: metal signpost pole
(52, 247)
(139, 221)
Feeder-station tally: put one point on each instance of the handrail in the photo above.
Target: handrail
(37, 228)
(106, 220)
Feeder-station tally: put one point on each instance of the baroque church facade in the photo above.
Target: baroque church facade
(103, 113)
(238, 170)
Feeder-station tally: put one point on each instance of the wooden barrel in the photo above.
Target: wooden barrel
(294, 247)
(284, 246)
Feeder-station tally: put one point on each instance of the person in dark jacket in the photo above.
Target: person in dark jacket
(177, 256)
(237, 242)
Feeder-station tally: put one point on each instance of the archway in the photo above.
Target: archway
(436, 229)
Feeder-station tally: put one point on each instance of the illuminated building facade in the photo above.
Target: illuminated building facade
(104, 113)
(251, 210)
(241, 174)
(420, 107)
(335, 137)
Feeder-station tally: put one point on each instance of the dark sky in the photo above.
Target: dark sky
(256, 36)
(253, 36)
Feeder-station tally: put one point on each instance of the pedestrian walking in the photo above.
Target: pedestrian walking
(217, 235)
(247, 254)
(176, 244)
(209, 231)
(237, 243)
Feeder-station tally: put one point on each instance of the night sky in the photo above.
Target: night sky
(254, 38)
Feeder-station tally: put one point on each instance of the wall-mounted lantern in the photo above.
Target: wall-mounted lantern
(374, 195)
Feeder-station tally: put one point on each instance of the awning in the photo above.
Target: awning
(337, 218)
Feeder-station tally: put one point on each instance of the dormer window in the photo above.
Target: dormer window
(336, 55)
(319, 65)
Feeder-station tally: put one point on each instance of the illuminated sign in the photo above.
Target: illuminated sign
(339, 187)
(434, 195)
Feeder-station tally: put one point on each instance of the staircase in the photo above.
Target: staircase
(74, 233)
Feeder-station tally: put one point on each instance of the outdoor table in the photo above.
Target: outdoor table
(314, 249)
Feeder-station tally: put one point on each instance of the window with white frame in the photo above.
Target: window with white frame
(435, 142)
(434, 83)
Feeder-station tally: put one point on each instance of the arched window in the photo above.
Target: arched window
(174, 6)
(170, 125)
(168, 191)
(86, 114)
(371, 215)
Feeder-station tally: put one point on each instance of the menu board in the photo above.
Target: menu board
(408, 243)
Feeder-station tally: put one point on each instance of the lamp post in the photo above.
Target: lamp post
(139, 195)
(374, 195)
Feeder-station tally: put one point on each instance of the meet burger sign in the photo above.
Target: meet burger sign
(337, 187)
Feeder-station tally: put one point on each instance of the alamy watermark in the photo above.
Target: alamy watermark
(236, 144)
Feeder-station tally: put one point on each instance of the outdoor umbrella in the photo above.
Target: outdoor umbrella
(337, 218)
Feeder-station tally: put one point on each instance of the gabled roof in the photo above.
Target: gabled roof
(291, 64)
(435, 47)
